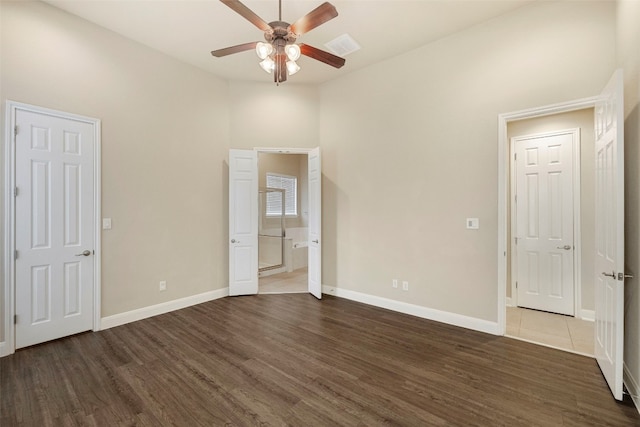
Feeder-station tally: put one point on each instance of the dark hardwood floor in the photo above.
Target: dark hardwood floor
(292, 360)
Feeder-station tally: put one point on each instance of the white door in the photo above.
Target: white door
(544, 221)
(315, 223)
(243, 222)
(55, 227)
(609, 260)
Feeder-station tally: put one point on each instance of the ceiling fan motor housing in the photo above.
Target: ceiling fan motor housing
(280, 31)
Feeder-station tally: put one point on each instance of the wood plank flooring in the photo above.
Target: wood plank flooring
(292, 360)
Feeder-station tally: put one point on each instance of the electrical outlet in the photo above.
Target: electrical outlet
(163, 285)
(405, 285)
(106, 223)
(394, 283)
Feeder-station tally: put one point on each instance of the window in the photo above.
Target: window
(290, 186)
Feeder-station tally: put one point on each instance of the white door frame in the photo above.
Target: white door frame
(577, 238)
(503, 188)
(7, 347)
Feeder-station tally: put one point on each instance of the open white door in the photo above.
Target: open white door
(243, 222)
(315, 223)
(609, 262)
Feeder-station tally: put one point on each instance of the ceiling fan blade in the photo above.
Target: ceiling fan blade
(233, 49)
(321, 55)
(318, 16)
(247, 14)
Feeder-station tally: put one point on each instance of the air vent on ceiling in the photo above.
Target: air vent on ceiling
(343, 45)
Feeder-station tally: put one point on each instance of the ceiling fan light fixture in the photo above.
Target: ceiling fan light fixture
(292, 67)
(263, 50)
(292, 51)
(268, 65)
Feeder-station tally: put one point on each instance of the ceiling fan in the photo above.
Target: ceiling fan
(280, 52)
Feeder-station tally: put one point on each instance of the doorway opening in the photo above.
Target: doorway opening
(518, 318)
(244, 217)
(283, 227)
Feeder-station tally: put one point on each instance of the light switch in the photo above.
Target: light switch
(106, 223)
(473, 223)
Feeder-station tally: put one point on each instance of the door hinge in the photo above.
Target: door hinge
(16, 254)
(15, 192)
(516, 241)
(15, 319)
(516, 285)
(515, 156)
(15, 130)
(515, 198)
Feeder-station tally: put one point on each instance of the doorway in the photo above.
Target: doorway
(572, 330)
(52, 198)
(244, 219)
(283, 228)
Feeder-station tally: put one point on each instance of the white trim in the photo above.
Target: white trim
(162, 308)
(577, 190)
(9, 234)
(282, 150)
(588, 315)
(503, 192)
(454, 319)
(509, 302)
(8, 346)
(577, 222)
(97, 258)
(632, 386)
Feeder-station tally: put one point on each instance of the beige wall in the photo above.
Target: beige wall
(266, 115)
(409, 150)
(628, 50)
(165, 138)
(582, 119)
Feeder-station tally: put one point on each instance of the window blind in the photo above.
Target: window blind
(290, 186)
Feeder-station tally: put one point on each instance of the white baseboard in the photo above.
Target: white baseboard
(632, 387)
(165, 307)
(588, 315)
(416, 310)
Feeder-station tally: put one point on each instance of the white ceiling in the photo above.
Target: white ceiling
(190, 29)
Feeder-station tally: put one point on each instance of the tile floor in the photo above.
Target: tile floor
(283, 283)
(553, 330)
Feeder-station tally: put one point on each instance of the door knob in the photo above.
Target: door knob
(612, 274)
(565, 247)
(235, 241)
(314, 241)
(86, 252)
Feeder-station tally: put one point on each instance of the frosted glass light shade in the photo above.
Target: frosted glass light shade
(268, 65)
(292, 68)
(292, 51)
(263, 50)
